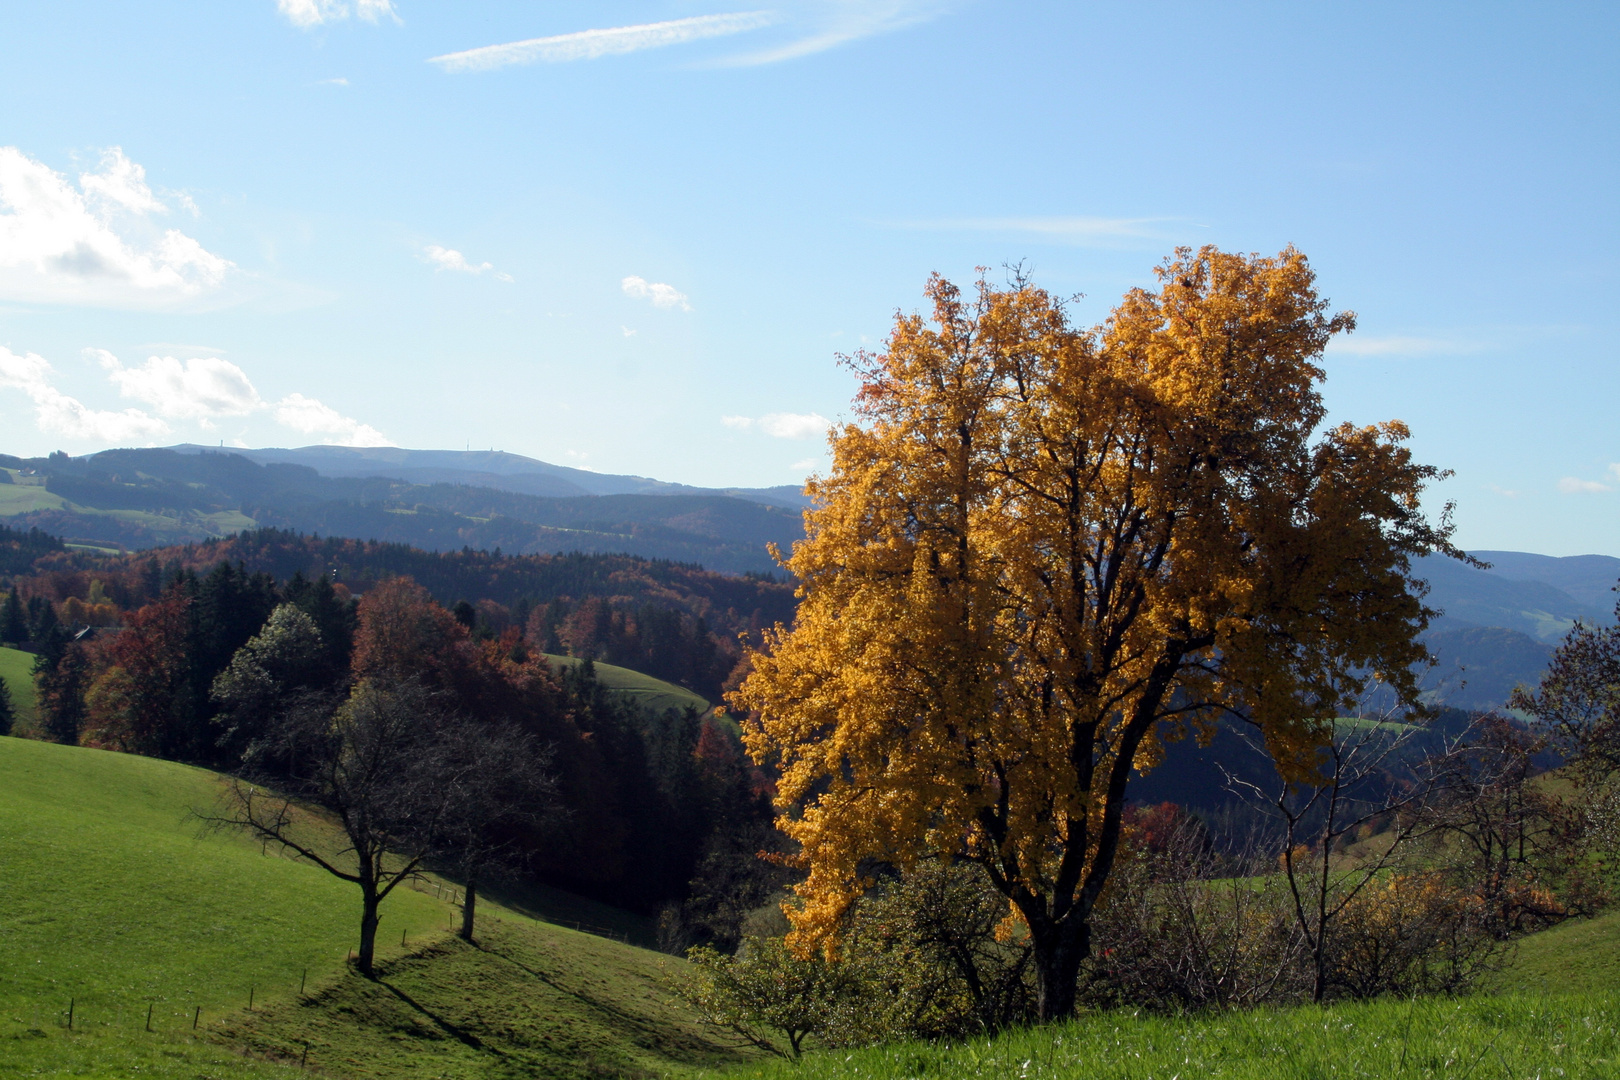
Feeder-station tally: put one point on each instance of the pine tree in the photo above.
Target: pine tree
(8, 711)
(13, 620)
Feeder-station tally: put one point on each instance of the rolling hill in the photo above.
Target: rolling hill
(116, 903)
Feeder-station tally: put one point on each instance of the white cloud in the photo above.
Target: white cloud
(782, 425)
(121, 184)
(314, 418)
(305, 14)
(444, 258)
(627, 331)
(199, 388)
(58, 414)
(95, 245)
(592, 44)
(1570, 485)
(830, 23)
(807, 465)
(1615, 470)
(664, 296)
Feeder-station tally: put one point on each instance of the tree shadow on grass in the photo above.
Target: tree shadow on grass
(466, 1038)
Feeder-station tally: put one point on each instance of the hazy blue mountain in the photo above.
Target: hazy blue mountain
(1587, 578)
(157, 497)
(490, 468)
(1498, 627)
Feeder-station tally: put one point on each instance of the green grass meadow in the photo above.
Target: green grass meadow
(112, 898)
(17, 669)
(1482, 1037)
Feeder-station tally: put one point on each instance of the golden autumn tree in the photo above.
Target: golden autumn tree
(1048, 548)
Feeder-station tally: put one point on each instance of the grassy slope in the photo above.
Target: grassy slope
(109, 895)
(655, 694)
(529, 1000)
(1484, 1036)
(1580, 956)
(17, 669)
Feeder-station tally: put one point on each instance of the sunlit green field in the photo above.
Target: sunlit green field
(111, 901)
(655, 694)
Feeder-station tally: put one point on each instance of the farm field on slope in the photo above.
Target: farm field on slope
(111, 898)
(654, 694)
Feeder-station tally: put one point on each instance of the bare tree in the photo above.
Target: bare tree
(379, 764)
(499, 783)
(1366, 778)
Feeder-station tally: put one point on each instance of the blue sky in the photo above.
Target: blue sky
(634, 236)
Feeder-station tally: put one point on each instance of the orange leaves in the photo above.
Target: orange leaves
(1047, 541)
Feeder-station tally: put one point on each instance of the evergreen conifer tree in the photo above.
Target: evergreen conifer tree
(13, 620)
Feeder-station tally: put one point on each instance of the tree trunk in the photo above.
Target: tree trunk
(1059, 950)
(369, 918)
(468, 903)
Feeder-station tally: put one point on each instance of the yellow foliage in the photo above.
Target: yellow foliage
(1045, 547)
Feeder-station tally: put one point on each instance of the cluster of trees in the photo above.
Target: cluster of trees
(233, 669)
(679, 622)
(20, 548)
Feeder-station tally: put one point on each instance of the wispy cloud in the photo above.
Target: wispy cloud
(662, 295)
(782, 425)
(306, 14)
(1073, 230)
(610, 41)
(827, 24)
(1571, 485)
(96, 245)
(1397, 345)
(444, 258)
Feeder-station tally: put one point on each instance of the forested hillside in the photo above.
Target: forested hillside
(205, 649)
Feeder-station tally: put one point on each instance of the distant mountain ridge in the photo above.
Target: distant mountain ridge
(157, 497)
(488, 468)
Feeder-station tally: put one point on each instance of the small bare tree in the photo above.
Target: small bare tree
(1187, 925)
(1367, 778)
